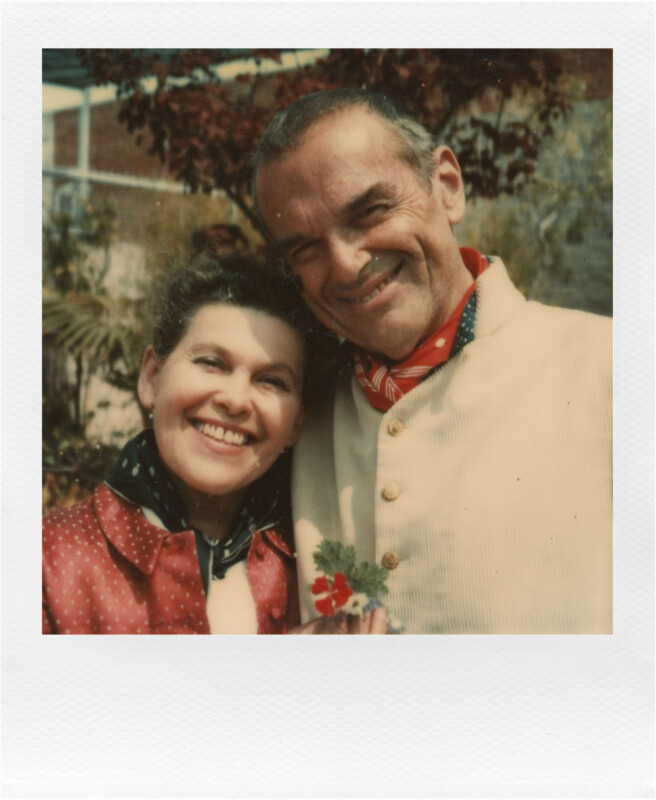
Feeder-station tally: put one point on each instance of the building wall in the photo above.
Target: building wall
(112, 148)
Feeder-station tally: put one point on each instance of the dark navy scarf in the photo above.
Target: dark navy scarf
(140, 477)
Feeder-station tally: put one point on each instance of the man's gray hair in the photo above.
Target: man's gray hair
(286, 129)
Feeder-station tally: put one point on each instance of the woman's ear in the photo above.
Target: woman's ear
(303, 414)
(147, 384)
(447, 179)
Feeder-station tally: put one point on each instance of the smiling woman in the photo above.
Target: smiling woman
(191, 531)
(226, 402)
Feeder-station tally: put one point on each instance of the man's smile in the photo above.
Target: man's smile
(371, 289)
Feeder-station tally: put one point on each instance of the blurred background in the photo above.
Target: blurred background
(146, 161)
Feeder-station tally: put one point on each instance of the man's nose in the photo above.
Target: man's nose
(347, 257)
(233, 394)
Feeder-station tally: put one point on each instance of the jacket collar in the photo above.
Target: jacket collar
(139, 541)
(127, 530)
(498, 300)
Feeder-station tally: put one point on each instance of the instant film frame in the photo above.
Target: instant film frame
(283, 717)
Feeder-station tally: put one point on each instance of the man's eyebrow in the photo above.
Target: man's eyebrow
(282, 246)
(379, 191)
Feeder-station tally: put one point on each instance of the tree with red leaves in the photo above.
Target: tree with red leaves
(206, 129)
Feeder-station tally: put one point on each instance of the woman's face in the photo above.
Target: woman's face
(227, 399)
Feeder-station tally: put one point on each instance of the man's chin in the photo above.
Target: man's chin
(389, 346)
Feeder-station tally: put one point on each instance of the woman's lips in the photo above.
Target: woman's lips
(220, 433)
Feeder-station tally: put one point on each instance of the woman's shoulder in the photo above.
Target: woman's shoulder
(81, 517)
(62, 517)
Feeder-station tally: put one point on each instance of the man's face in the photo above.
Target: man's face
(372, 247)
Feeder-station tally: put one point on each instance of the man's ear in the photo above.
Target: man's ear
(147, 385)
(447, 180)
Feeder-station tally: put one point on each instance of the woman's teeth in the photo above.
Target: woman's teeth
(221, 434)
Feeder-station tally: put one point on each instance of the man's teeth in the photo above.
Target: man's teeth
(377, 290)
(221, 434)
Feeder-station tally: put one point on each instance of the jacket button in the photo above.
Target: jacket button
(390, 560)
(260, 550)
(391, 491)
(395, 427)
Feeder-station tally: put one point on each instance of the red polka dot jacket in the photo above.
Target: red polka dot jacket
(106, 569)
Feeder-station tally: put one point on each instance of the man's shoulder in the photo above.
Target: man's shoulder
(571, 315)
(570, 322)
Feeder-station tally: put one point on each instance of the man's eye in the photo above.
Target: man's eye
(375, 209)
(301, 255)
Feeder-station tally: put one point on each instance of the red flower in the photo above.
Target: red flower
(334, 595)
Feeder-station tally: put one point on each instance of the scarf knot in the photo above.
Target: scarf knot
(384, 385)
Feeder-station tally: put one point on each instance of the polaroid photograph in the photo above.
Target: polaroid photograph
(343, 335)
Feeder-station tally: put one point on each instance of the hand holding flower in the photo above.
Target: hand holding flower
(371, 622)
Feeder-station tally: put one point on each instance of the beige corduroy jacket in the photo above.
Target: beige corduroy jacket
(490, 483)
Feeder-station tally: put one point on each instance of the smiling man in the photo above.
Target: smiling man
(468, 445)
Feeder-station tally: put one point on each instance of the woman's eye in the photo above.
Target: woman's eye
(277, 382)
(210, 361)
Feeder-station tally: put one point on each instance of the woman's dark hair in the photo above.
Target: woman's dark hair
(241, 281)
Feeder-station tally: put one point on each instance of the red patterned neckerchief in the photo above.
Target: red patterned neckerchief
(385, 385)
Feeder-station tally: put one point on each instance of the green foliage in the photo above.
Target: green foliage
(555, 236)
(62, 253)
(332, 557)
(72, 466)
(206, 130)
(93, 326)
(98, 224)
(86, 331)
(67, 242)
(104, 333)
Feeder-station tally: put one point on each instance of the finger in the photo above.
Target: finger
(378, 621)
(322, 626)
(357, 625)
(338, 623)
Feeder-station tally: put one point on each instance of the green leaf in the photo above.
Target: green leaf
(369, 579)
(332, 557)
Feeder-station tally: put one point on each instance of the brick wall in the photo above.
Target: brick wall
(133, 207)
(111, 147)
(65, 133)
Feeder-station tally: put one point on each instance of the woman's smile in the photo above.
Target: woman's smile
(223, 433)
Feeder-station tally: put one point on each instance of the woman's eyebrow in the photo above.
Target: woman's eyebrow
(209, 345)
(265, 366)
(281, 367)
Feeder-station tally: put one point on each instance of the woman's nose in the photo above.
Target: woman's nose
(233, 394)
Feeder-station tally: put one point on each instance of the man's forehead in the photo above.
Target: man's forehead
(351, 137)
(347, 121)
(346, 134)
